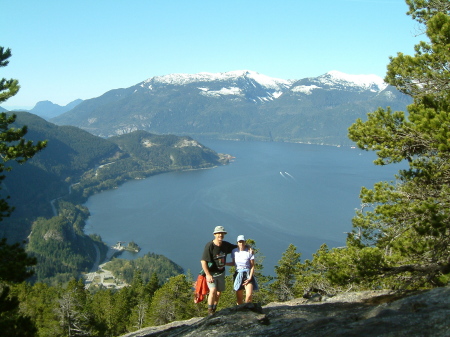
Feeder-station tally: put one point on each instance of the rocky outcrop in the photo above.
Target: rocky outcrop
(371, 313)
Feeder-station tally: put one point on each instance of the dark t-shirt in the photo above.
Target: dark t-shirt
(217, 256)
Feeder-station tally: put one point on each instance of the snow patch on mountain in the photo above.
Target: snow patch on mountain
(373, 83)
(183, 79)
(277, 94)
(224, 91)
(305, 89)
(388, 95)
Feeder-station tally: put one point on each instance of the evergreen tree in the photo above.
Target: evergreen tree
(409, 219)
(12, 322)
(12, 144)
(103, 309)
(14, 268)
(152, 285)
(122, 311)
(139, 302)
(172, 302)
(8, 88)
(423, 10)
(73, 312)
(286, 270)
(312, 277)
(39, 302)
(340, 269)
(14, 262)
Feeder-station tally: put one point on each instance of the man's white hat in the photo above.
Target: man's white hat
(219, 229)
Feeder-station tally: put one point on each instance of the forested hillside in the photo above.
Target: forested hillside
(148, 265)
(49, 189)
(48, 175)
(168, 151)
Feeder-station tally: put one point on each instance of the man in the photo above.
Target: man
(213, 264)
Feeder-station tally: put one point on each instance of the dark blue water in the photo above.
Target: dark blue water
(274, 193)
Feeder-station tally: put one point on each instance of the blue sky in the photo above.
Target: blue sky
(64, 50)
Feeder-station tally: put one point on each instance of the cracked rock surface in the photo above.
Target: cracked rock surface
(370, 313)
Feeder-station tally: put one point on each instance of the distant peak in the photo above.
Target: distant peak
(46, 103)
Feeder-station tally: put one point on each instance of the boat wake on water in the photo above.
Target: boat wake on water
(290, 175)
(287, 176)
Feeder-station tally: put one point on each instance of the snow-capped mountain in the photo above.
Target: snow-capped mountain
(361, 82)
(336, 80)
(238, 105)
(240, 83)
(183, 79)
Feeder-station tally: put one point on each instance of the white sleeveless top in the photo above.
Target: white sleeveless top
(242, 258)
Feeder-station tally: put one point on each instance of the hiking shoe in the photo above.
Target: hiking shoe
(210, 311)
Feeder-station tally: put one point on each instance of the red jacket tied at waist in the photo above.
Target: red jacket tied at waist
(201, 289)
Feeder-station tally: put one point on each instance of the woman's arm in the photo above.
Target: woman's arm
(252, 269)
(250, 274)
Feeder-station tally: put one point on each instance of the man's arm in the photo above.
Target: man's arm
(209, 277)
(231, 264)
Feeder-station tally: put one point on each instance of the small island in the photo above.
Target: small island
(131, 247)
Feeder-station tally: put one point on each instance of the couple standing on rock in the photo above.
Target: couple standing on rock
(213, 264)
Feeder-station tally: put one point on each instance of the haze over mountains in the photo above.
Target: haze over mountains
(240, 105)
(47, 109)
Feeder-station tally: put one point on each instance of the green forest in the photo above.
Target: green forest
(400, 238)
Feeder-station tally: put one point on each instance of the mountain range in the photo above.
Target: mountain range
(47, 109)
(239, 105)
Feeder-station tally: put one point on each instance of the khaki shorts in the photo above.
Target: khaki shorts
(219, 282)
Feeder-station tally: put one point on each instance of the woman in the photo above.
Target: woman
(244, 277)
